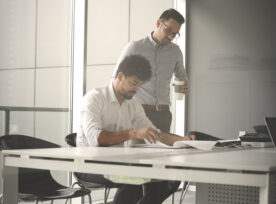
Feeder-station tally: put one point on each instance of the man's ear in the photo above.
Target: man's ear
(120, 76)
(158, 23)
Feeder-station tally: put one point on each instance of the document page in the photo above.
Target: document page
(198, 144)
(203, 145)
(154, 145)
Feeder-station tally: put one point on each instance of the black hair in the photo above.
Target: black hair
(174, 14)
(135, 65)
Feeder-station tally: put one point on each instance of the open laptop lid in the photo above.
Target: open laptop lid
(271, 126)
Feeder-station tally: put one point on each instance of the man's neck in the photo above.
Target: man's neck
(153, 35)
(119, 97)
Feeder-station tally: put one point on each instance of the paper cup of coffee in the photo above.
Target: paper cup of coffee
(178, 83)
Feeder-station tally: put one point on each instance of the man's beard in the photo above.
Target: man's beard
(127, 96)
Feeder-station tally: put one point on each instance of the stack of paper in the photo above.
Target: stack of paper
(198, 144)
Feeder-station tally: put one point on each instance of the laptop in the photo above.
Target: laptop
(271, 127)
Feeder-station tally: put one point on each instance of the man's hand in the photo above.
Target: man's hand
(149, 134)
(190, 137)
(170, 139)
(184, 88)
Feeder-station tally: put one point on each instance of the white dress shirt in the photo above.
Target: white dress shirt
(101, 111)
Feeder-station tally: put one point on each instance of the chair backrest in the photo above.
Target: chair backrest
(71, 139)
(28, 177)
(24, 142)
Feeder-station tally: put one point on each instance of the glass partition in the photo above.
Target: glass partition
(35, 67)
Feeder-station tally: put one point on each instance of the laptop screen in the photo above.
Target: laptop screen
(271, 126)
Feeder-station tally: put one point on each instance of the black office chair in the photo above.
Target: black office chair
(183, 190)
(35, 184)
(71, 140)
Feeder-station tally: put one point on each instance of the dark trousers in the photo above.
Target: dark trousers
(149, 193)
(160, 119)
(159, 190)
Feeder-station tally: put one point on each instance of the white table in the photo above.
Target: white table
(250, 167)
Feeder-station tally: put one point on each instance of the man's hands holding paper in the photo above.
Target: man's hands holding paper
(149, 134)
(189, 137)
(170, 139)
(152, 135)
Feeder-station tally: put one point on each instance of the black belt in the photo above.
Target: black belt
(156, 107)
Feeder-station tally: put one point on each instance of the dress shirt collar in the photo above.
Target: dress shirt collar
(112, 95)
(155, 44)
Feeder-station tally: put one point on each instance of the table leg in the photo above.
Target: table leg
(267, 193)
(10, 185)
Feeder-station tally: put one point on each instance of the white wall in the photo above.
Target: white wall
(231, 58)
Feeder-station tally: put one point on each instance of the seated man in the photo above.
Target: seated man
(111, 116)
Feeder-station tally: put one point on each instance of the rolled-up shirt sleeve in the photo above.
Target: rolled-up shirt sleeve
(91, 120)
(179, 70)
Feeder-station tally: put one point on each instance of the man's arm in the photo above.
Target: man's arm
(107, 138)
(169, 139)
(180, 72)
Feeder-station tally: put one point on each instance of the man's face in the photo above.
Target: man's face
(167, 30)
(129, 86)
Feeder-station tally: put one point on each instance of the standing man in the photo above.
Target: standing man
(111, 116)
(166, 60)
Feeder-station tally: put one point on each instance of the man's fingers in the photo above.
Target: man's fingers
(150, 139)
(152, 132)
(155, 135)
(193, 137)
(149, 134)
(152, 135)
(185, 88)
(190, 137)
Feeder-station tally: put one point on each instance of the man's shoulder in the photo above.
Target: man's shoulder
(100, 92)
(141, 42)
(173, 48)
(173, 45)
